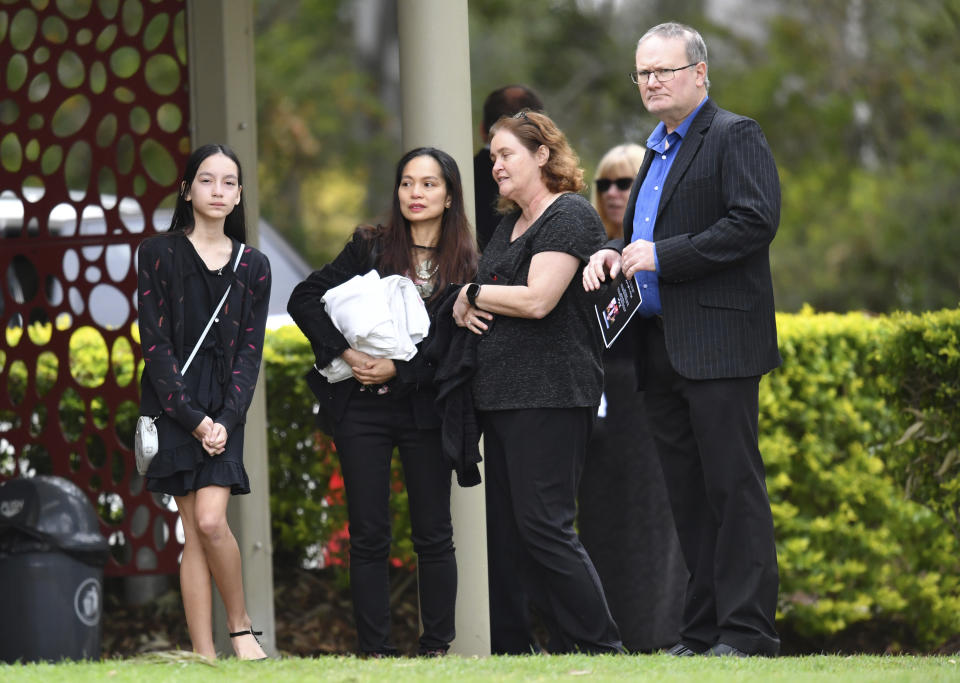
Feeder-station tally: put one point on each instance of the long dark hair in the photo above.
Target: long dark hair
(235, 225)
(457, 248)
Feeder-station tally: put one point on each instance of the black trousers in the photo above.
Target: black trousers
(533, 461)
(365, 438)
(624, 518)
(705, 433)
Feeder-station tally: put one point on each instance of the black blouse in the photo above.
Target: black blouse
(553, 362)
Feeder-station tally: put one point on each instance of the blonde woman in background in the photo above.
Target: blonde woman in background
(611, 189)
(640, 565)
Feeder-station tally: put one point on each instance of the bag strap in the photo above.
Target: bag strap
(213, 316)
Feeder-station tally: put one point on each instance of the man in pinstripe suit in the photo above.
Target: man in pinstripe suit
(703, 211)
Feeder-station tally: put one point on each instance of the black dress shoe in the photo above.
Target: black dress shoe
(681, 650)
(724, 650)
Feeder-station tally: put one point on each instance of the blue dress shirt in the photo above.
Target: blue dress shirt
(648, 204)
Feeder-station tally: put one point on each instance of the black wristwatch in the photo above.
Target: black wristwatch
(473, 291)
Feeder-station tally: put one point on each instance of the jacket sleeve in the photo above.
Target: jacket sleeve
(415, 373)
(249, 352)
(616, 244)
(155, 322)
(306, 306)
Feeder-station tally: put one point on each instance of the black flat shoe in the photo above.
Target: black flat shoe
(681, 650)
(725, 650)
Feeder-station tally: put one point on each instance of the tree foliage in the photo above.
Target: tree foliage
(325, 134)
(855, 98)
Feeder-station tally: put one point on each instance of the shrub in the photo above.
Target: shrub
(860, 432)
(922, 381)
(852, 548)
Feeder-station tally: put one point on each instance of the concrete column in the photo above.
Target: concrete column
(222, 110)
(435, 95)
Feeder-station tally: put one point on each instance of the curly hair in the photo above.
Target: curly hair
(562, 172)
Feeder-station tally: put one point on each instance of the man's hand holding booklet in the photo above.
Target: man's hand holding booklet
(615, 304)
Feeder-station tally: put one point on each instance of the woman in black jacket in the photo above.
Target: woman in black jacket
(389, 404)
(182, 275)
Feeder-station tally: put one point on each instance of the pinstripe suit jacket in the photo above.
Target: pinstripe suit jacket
(718, 213)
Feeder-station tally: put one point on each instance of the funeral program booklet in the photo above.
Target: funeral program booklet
(616, 304)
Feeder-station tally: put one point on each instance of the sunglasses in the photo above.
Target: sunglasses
(623, 184)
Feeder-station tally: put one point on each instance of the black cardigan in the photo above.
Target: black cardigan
(454, 351)
(243, 321)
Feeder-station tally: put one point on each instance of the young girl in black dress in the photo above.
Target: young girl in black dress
(390, 403)
(182, 277)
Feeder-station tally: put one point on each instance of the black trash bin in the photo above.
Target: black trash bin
(51, 571)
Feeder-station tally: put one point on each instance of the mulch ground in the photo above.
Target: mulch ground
(313, 613)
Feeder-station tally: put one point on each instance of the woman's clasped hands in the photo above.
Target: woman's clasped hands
(369, 370)
(212, 435)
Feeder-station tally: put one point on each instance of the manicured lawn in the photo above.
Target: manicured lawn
(652, 668)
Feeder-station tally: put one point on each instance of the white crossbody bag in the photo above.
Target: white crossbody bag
(146, 441)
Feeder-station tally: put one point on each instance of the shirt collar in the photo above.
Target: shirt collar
(659, 133)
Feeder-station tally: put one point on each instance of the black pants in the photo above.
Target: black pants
(533, 460)
(706, 436)
(365, 438)
(624, 518)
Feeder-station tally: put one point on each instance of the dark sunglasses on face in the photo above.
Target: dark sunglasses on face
(623, 184)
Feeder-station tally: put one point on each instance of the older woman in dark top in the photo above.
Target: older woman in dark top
(539, 378)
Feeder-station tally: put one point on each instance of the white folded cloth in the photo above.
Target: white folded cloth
(384, 317)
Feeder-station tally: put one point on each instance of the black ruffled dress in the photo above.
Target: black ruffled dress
(182, 465)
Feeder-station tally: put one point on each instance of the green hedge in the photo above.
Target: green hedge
(840, 441)
(923, 382)
(852, 547)
(860, 432)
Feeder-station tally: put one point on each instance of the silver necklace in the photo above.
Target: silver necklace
(426, 269)
(425, 273)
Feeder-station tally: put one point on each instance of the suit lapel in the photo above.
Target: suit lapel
(634, 191)
(688, 150)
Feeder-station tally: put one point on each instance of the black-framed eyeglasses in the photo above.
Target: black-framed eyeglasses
(662, 75)
(604, 184)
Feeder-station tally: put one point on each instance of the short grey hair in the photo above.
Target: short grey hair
(696, 48)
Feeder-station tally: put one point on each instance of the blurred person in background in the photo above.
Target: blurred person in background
(505, 101)
(640, 565)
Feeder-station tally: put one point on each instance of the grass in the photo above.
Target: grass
(183, 667)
